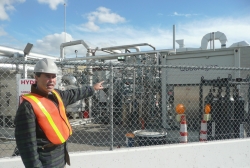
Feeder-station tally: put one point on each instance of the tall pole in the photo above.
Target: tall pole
(174, 37)
(64, 29)
(64, 22)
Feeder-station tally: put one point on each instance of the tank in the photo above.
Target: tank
(73, 110)
(150, 137)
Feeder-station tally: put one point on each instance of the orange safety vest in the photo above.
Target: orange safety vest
(52, 120)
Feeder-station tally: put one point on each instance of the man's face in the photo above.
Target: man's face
(46, 82)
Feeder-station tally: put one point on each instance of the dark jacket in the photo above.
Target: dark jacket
(30, 138)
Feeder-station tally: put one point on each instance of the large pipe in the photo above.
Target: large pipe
(11, 52)
(174, 37)
(115, 56)
(14, 67)
(213, 40)
(217, 36)
(70, 44)
(127, 47)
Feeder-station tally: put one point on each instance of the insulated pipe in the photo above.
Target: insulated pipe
(127, 46)
(174, 37)
(210, 41)
(14, 67)
(115, 56)
(136, 48)
(70, 44)
(11, 52)
(213, 40)
(119, 50)
(217, 36)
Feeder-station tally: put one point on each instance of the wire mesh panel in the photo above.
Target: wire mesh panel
(140, 105)
(95, 132)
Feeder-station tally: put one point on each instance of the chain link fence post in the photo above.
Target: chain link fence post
(164, 95)
(111, 106)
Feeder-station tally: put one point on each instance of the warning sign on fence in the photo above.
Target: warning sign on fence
(24, 86)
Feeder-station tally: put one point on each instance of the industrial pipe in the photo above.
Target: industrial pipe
(70, 44)
(11, 52)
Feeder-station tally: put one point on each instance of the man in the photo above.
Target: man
(42, 127)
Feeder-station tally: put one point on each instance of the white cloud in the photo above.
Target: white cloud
(7, 6)
(102, 15)
(185, 15)
(2, 32)
(91, 26)
(51, 43)
(52, 3)
(3, 14)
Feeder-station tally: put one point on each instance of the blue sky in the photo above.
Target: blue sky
(111, 22)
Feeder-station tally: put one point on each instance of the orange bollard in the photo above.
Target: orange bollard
(203, 131)
(206, 117)
(183, 130)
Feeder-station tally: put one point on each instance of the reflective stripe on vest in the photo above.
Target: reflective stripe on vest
(63, 109)
(53, 121)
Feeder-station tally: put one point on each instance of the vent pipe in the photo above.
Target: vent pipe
(174, 37)
(181, 43)
(211, 37)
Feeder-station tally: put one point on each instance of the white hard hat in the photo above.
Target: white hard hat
(46, 65)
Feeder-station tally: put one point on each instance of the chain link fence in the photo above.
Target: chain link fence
(140, 104)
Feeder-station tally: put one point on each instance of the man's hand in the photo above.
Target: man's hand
(98, 86)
